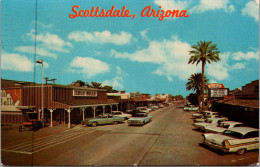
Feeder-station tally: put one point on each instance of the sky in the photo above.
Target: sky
(138, 53)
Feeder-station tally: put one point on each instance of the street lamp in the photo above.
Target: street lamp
(41, 62)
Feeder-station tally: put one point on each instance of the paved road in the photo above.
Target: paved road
(168, 140)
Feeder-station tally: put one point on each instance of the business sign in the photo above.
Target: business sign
(85, 93)
(215, 85)
(218, 92)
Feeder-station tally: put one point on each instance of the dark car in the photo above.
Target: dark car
(133, 112)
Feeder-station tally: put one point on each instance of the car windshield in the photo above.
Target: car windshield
(117, 113)
(208, 121)
(224, 125)
(139, 115)
(233, 134)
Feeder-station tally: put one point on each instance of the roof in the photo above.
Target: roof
(232, 122)
(243, 130)
(253, 103)
(215, 118)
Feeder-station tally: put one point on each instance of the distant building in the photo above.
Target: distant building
(241, 105)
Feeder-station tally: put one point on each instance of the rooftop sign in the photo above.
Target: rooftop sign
(215, 85)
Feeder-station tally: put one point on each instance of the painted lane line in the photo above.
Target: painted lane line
(60, 143)
(37, 140)
(24, 152)
(44, 142)
(20, 152)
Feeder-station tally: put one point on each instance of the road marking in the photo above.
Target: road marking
(235, 160)
(43, 139)
(41, 143)
(21, 152)
(155, 134)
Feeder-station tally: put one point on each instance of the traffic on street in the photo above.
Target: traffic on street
(170, 138)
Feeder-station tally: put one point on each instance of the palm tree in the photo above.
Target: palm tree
(204, 52)
(195, 83)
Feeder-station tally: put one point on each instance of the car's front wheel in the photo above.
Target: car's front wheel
(94, 124)
(241, 151)
(115, 123)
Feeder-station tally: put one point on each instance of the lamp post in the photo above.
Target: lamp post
(41, 62)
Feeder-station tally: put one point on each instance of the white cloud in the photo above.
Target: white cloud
(143, 34)
(16, 62)
(246, 56)
(51, 41)
(117, 81)
(238, 66)
(171, 56)
(207, 5)
(251, 9)
(39, 51)
(88, 66)
(221, 69)
(172, 4)
(103, 37)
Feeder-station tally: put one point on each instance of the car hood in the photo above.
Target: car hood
(135, 118)
(215, 129)
(202, 124)
(197, 115)
(216, 138)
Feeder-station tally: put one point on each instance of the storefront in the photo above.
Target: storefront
(62, 104)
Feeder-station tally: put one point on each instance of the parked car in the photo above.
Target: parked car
(209, 122)
(160, 105)
(144, 109)
(134, 111)
(208, 114)
(223, 126)
(121, 114)
(105, 119)
(205, 114)
(190, 108)
(139, 119)
(238, 140)
(203, 119)
(153, 107)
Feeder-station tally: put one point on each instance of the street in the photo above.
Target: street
(170, 139)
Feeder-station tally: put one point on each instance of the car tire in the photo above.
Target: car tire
(94, 124)
(241, 151)
(115, 123)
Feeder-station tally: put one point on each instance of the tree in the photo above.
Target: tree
(195, 83)
(204, 52)
(96, 85)
(109, 89)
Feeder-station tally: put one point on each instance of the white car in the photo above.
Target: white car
(206, 114)
(223, 126)
(121, 114)
(238, 140)
(144, 109)
(140, 119)
(190, 108)
(209, 122)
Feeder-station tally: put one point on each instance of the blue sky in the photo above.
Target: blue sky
(135, 54)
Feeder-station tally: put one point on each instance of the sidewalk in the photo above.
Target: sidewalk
(11, 134)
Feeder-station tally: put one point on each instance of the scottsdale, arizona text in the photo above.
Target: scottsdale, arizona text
(148, 11)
